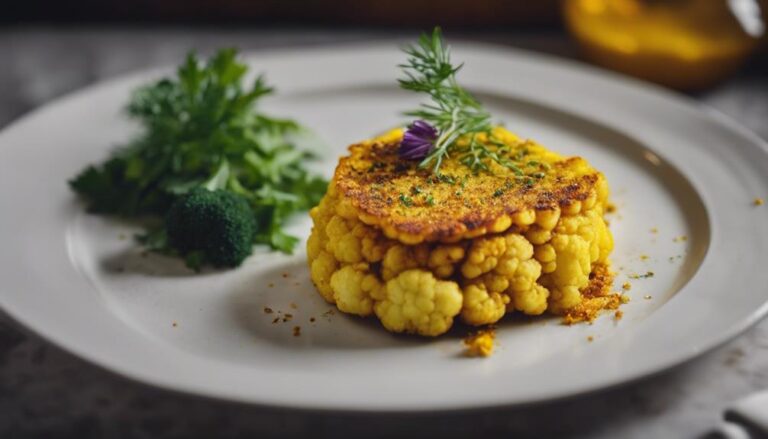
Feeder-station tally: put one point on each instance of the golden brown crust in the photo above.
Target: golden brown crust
(414, 205)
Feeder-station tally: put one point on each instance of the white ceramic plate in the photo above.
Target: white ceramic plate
(80, 281)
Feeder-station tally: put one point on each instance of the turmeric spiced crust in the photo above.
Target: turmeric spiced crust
(414, 205)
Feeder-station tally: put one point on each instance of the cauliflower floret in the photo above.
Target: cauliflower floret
(321, 269)
(603, 238)
(509, 275)
(399, 258)
(482, 307)
(416, 302)
(443, 258)
(483, 256)
(321, 263)
(571, 274)
(353, 287)
(532, 302)
(528, 296)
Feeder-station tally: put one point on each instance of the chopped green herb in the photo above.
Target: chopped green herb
(406, 200)
(415, 190)
(430, 200)
(642, 276)
(447, 179)
(498, 192)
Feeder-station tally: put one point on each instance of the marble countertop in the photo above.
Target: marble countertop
(46, 392)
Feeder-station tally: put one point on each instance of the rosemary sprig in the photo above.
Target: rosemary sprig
(453, 111)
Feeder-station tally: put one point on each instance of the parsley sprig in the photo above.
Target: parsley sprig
(453, 111)
(201, 128)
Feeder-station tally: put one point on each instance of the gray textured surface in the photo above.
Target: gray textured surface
(45, 392)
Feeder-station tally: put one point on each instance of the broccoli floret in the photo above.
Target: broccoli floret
(215, 227)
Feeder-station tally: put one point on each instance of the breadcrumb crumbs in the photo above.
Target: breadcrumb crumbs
(644, 257)
(758, 202)
(311, 320)
(645, 275)
(654, 230)
(590, 338)
(610, 207)
(626, 286)
(293, 305)
(275, 320)
(619, 314)
(480, 344)
(268, 310)
(175, 324)
(647, 297)
(285, 275)
(296, 331)
(681, 238)
(596, 298)
(287, 317)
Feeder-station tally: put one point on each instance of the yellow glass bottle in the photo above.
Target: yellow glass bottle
(685, 44)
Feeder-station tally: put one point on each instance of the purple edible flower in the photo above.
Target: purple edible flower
(418, 141)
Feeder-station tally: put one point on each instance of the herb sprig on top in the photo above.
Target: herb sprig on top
(451, 113)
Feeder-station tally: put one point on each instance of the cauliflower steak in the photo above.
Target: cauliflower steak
(418, 250)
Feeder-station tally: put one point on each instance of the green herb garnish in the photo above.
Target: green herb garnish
(453, 111)
(200, 129)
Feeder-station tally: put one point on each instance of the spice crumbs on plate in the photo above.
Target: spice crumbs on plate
(681, 238)
(758, 202)
(311, 320)
(654, 230)
(296, 331)
(276, 319)
(590, 338)
(285, 275)
(647, 297)
(268, 310)
(644, 257)
(287, 317)
(480, 344)
(597, 297)
(646, 275)
(626, 286)
(618, 314)
(293, 305)
(175, 324)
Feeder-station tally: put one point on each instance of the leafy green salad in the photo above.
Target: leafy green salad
(222, 175)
